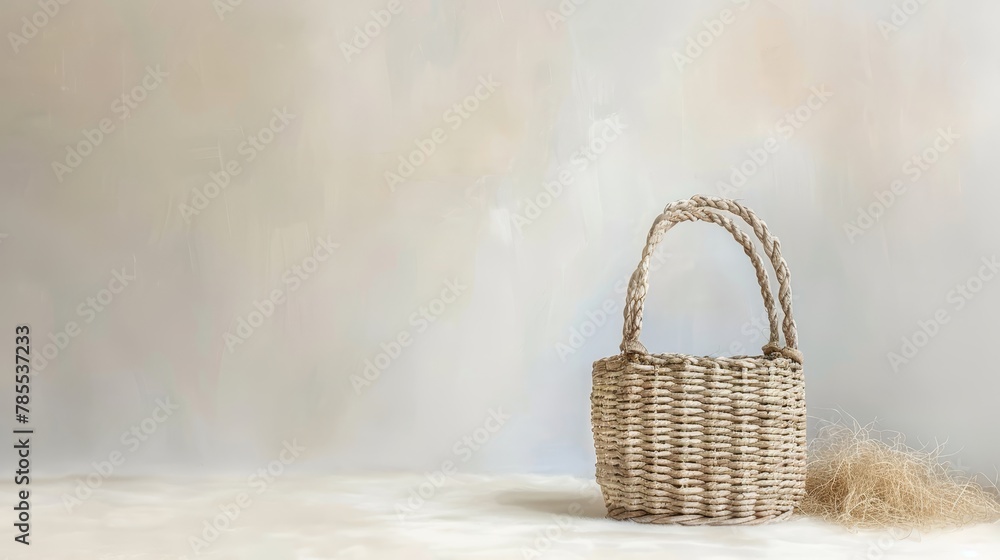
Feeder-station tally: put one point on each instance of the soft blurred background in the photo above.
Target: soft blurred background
(166, 166)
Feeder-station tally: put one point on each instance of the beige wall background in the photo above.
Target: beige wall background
(208, 226)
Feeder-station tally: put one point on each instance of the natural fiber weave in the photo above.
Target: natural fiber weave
(699, 440)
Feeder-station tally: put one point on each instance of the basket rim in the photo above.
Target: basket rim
(633, 358)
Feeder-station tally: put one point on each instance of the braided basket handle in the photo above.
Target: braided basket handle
(706, 209)
(772, 248)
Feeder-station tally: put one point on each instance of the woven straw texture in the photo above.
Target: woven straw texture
(696, 440)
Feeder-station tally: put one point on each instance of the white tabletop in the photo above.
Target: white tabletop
(461, 516)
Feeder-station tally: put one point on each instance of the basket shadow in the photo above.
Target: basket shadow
(555, 502)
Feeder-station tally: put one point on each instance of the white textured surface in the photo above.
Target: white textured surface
(558, 518)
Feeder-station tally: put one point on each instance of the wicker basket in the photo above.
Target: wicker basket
(696, 440)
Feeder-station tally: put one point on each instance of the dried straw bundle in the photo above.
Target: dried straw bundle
(863, 481)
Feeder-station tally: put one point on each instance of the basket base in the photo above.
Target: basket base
(640, 516)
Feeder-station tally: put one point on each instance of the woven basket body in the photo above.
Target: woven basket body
(699, 440)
